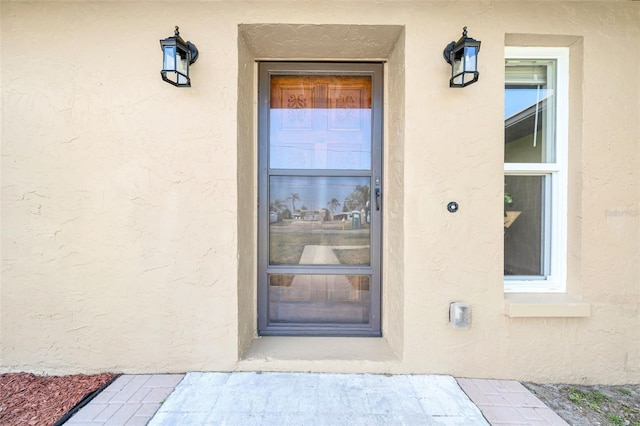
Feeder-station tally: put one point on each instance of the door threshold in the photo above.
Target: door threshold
(286, 353)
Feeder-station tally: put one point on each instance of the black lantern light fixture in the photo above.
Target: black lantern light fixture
(462, 55)
(177, 56)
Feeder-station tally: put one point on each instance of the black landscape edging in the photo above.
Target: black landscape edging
(84, 401)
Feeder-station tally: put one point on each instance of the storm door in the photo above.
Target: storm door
(320, 199)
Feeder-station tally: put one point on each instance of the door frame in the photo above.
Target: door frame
(373, 328)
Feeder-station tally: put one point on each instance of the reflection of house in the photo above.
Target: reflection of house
(129, 207)
(311, 214)
(520, 124)
(340, 216)
(274, 217)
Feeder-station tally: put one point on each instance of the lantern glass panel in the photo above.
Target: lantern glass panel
(169, 62)
(470, 55)
(182, 62)
(182, 67)
(457, 71)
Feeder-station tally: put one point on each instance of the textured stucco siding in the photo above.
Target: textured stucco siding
(129, 206)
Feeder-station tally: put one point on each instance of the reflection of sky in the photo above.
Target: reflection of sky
(315, 192)
(519, 99)
(308, 138)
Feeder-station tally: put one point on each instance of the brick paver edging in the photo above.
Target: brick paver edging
(507, 402)
(130, 400)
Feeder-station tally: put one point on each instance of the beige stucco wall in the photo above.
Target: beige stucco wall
(128, 205)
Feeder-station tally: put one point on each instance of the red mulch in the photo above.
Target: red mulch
(27, 399)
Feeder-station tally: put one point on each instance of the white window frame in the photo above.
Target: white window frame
(555, 180)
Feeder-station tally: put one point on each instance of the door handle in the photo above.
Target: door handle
(378, 195)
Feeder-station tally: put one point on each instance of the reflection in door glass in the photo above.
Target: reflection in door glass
(319, 220)
(320, 122)
(319, 299)
(320, 146)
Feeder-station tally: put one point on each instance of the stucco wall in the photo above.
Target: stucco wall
(128, 205)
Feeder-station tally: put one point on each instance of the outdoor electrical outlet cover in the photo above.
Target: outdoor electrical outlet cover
(460, 315)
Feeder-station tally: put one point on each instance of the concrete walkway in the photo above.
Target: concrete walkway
(312, 399)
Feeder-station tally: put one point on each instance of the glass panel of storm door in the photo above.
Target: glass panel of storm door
(319, 299)
(319, 220)
(319, 217)
(320, 122)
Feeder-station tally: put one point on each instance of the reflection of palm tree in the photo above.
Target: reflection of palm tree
(333, 204)
(365, 192)
(357, 200)
(276, 205)
(294, 196)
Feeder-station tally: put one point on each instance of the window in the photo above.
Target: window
(535, 169)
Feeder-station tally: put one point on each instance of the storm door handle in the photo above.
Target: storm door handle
(378, 195)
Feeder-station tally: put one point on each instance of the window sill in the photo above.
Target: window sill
(530, 305)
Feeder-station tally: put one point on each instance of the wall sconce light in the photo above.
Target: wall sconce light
(177, 56)
(462, 55)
